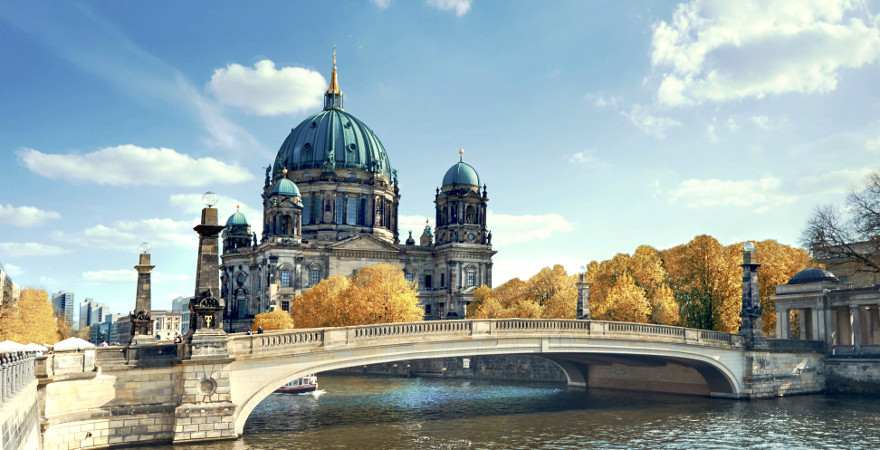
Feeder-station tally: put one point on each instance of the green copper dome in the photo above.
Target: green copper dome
(461, 173)
(333, 139)
(286, 187)
(236, 218)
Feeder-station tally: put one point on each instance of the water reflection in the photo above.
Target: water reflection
(391, 413)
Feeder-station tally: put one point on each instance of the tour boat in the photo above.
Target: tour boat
(302, 385)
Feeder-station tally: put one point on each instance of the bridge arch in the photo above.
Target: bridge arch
(255, 377)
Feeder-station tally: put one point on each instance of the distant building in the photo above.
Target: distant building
(62, 304)
(180, 305)
(120, 331)
(8, 289)
(166, 324)
(90, 313)
(103, 331)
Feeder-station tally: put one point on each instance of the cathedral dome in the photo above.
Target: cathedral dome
(461, 173)
(237, 218)
(285, 186)
(332, 139)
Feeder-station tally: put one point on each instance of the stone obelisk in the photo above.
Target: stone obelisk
(583, 298)
(141, 322)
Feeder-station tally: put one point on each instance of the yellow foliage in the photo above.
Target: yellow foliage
(375, 294)
(551, 293)
(625, 302)
(277, 319)
(30, 319)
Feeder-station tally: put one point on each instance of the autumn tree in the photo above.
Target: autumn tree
(625, 302)
(276, 319)
(374, 294)
(30, 319)
(551, 294)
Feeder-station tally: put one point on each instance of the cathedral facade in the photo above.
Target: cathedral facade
(330, 207)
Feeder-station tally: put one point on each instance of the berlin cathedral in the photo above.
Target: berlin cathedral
(330, 206)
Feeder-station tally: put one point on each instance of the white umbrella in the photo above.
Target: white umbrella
(73, 343)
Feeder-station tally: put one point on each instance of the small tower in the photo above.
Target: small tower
(410, 241)
(237, 233)
(460, 206)
(427, 238)
(750, 315)
(205, 308)
(141, 322)
(282, 211)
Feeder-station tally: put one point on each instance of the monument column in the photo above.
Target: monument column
(141, 322)
(750, 315)
(856, 321)
(583, 299)
(207, 311)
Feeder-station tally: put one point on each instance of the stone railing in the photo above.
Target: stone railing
(304, 340)
(16, 372)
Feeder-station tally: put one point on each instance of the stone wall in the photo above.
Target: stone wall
(852, 375)
(666, 377)
(772, 374)
(521, 368)
(19, 410)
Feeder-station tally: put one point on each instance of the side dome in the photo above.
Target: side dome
(461, 173)
(333, 139)
(286, 187)
(237, 218)
(812, 275)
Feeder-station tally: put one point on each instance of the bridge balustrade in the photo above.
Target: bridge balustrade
(305, 340)
(16, 372)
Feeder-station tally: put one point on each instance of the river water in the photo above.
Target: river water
(396, 413)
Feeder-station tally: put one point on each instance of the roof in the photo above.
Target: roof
(812, 275)
(461, 173)
(285, 186)
(237, 218)
(333, 138)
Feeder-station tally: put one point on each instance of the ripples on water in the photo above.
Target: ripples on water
(391, 413)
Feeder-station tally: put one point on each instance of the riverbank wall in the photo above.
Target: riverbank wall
(853, 375)
(19, 408)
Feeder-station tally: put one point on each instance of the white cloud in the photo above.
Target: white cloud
(128, 276)
(193, 204)
(268, 91)
(25, 216)
(131, 165)
(381, 4)
(460, 7)
(837, 181)
(17, 249)
(416, 224)
(12, 270)
(128, 234)
(718, 50)
(585, 158)
(519, 228)
(650, 123)
(873, 144)
(760, 194)
(602, 101)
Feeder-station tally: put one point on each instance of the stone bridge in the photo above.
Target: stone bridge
(206, 390)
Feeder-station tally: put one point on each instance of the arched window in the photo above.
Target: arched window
(470, 277)
(351, 212)
(314, 276)
(286, 279)
(470, 216)
(307, 210)
(340, 209)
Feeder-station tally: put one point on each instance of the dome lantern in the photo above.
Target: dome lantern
(333, 96)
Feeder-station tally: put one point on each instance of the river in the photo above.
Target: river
(399, 413)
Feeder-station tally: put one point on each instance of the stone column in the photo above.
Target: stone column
(141, 322)
(583, 299)
(856, 323)
(750, 315)
(206, 308)
(782, 326)
(816, 325)
(802, 324)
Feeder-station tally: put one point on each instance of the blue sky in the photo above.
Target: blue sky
(597, 126)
